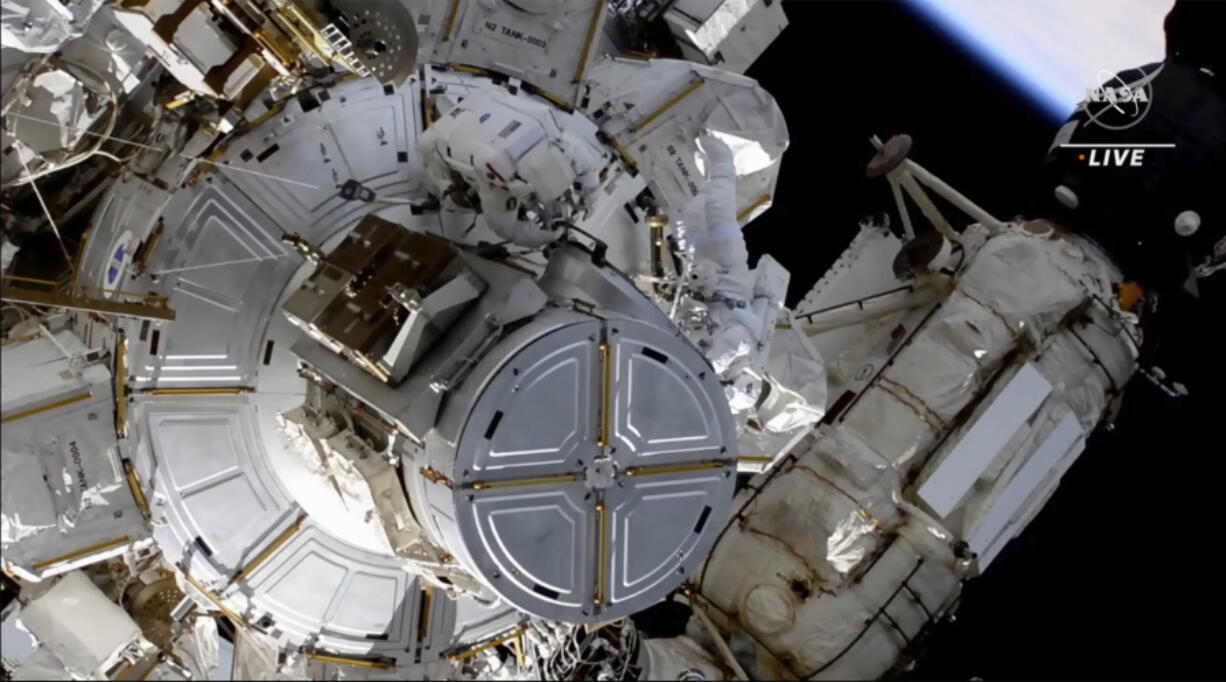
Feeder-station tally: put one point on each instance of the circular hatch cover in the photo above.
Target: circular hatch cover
(594, 469)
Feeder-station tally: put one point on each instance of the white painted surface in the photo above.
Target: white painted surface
(992, 531)
(981, 443)
(77, 623)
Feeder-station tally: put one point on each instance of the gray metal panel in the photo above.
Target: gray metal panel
(669, 409)
(543, 399)
(545, 407)
(343, 599)
(222, 310)
(359, 132)
(211, 481)
(538, 502)
(657, 538)
(208, 480)
(542, 48)
(475, 622)
(125, 216)
(570, 274)
(215, 466)
(64, 489)
(531, 539)
(661, 411)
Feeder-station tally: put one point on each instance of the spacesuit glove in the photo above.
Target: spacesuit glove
(716, 151)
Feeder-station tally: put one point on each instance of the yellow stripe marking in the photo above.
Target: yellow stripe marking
(121, 387)
(602, 551)
(203, 390)
(49, 406)
(519, 482)
(49, 282)
(675, 468)
(750, 208)
(138, 493)
(208, 594)
(471, 651)
(19, 339)
(606, 395)
(587, 41)
(349, 660)
(451, 15)
(268, 551)
(81, 552)
(668, 104)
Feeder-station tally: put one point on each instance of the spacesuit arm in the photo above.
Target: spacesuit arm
(723, 245)
(584, 160)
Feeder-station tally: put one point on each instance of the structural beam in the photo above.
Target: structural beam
(157, 310)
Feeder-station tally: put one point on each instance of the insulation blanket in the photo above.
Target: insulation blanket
(833, 532)
(63, 486)
(67, 477)
(76, 622)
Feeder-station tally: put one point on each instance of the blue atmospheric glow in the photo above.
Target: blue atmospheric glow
(1029, 82)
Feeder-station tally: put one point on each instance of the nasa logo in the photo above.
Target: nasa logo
(1118, 105)
(117, 264)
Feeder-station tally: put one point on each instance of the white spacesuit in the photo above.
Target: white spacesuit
(740, 303)
(510, 157)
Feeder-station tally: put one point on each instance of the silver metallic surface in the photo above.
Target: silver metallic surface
(527, 429)
(215, 466)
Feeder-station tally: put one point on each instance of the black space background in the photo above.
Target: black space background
(1119, 576)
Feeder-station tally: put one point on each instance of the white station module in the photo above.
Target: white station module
(570, 458)
(419, 340)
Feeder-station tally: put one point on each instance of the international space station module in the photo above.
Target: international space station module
(419, 339)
